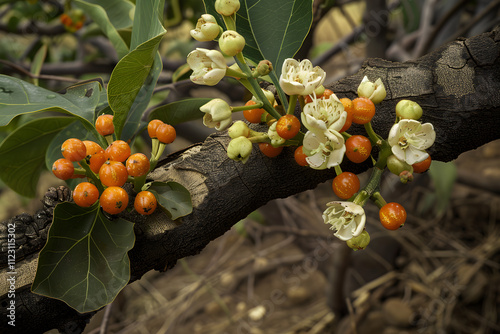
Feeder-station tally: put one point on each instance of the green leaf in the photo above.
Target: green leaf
(274, 30)
(443, 175)
(173, 198)
(128, 78)
(84, 262)
(23, 153)
(38, 61)
(99, 14)
(179, 111)
(141, 102)
(19, 97)
(148, 20)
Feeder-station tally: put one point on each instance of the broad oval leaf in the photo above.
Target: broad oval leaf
(141, 102)
(99, 14)
(84, 262)
(274, 30)
(148, 20)
(23, 153)
(128, 78)
(19, 97)
(179, 111)
(172, 197)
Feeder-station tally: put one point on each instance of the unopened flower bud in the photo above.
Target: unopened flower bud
(264, 67)
(408, 110)
(206, 29)
(227, 7)
(406, 176)
(269, 95)
(239, 149)
(375, 91)
(397, 166)
(231, 43)
(238, 129)
(359, 242)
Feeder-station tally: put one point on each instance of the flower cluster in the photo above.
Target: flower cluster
(313, 119)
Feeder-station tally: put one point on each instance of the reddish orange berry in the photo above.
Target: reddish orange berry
(113, 173)
(118, 151)
(114, 200)
(104, 125)
(300, 156)
(358, 148)
(66, 20)
(137, 164)
(74, 149)
(288, 126)
(63, 169)
(422, 166)
(92, 148)
(392, 216)
(269, 150)
(165, 133)
(85, 194)
(345, 185)
(96, 161)
(363, 111)
(349, 108)
(253, 115)
(78, 25)
(152, 126)
(145, 203)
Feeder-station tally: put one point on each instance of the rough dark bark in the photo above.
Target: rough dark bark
(457, 86)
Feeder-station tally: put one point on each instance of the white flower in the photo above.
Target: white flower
(347, 219)
(324, 150)
(218, 114)
(209, 66)
(206, 29)
(276, 140)
(375, 91)
(409, 139)
(300, 78)
(323, 114)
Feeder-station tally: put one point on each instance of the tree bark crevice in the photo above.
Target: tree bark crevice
(456, 85)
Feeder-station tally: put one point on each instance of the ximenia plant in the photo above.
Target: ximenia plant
(326, 118)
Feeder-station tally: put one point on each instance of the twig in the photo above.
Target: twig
(33, 76)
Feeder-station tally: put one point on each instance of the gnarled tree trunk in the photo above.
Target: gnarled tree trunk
(458, 87)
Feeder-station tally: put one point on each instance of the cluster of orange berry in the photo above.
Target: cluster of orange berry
(73, 20)
(111, 168)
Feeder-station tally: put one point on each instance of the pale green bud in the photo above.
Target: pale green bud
(206, 29)
(238, 129)
(239, 149)
(397, 166)
(231, 43)
(359, 242)
(264, 67)
(269, 95)
(407, 109)
(227, 7)
(375, 91)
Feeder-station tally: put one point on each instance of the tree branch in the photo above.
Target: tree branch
(457, 86)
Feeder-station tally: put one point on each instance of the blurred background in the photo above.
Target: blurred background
(280, 270)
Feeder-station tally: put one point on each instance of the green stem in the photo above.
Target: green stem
(233, 73)
(291, 105)
(338, 170)
(92, 175)
(374, 137)
(139, 182)
(378, 199)
(254, 88)
(230, 22)
(249, 107)
(371, 187)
